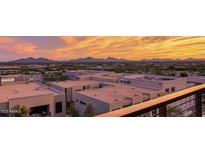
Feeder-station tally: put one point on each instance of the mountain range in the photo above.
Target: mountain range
(87, 59)
(91, 59)
(32, 60)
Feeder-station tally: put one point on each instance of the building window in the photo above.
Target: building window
(173, 89)
(58, 107)
(82, 103)
(167, 90)
(128, 82)
(86, 87)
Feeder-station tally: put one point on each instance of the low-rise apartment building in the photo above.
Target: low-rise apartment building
(107, 77)
(166, 84)
(112, 91)
(111, 97)
(5, 79)
(37, 98)
(68, 87)
(158, 82)
(196, 79)
(102, 76)
(105, 91)
(76, 74)
(7, 70)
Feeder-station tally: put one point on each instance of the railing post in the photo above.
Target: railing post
(163, 111)
(198, 106)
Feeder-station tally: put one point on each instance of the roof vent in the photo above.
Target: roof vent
(38, 88)
(17, 90)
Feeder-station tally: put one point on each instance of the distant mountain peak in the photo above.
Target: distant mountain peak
(91, 59)
(32, 60)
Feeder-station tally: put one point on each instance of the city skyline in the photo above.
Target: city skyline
(127, 47)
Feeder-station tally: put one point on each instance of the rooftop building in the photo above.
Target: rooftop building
(112, 97)
(157, 82)
(71, 83)
(68, 87)
(103, 76)
(196, 79)
(6, 79)
(166, 105)
(36, 97)
(75, 74)
(105, 91)
(6, 70)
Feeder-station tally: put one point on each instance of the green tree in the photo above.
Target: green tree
(72, 111)
(90, 111)
(19, 111)
(183, 74)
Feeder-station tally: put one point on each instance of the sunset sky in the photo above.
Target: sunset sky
(128, 47)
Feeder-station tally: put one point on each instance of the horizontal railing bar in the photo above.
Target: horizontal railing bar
(152, 104)
(180, 104)
(183, 111)
(193, 114)
(174, 107)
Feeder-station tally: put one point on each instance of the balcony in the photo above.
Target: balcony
(184, 103)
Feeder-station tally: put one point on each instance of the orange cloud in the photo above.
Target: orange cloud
(129, 47)
(133, 47)
(72, 40)
(6, 39)
(26, 48)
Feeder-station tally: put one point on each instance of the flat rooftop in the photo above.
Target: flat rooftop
(10, 67)
(91, 71)
(106, 75)
(151, 77)
(23, 90)
(196, 79)
(86, 72)
(109, 75)
(116, 92)
(72, 83)
(10, 76)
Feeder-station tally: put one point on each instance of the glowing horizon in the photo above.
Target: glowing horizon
(127, 47)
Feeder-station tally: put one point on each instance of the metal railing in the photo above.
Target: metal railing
(184, 103)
